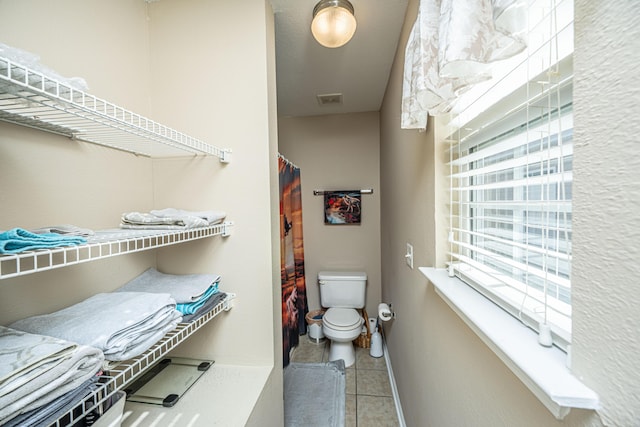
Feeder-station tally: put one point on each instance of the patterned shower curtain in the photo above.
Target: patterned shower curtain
(294, 290)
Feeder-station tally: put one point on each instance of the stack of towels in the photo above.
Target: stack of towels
(122, 325)
(171, 219)
(125, 323)
(37, 370)
(195, 294)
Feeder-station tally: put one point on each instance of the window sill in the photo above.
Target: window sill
(543, 370)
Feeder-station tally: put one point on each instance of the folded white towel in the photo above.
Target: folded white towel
(36, 369)
(184, 288)
(67, 229)
(32, 61)
(171, 219)
(212, 217)
(148, 220)
(121, 324)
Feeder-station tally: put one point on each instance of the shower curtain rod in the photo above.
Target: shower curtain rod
(321, 192)
(287, 161)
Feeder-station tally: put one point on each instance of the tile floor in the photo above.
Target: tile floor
(369, 399)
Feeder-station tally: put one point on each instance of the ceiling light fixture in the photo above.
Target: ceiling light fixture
(333, 22)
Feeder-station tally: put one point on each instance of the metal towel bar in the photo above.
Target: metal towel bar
(321, 192)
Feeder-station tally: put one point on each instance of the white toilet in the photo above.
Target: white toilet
(341, 292)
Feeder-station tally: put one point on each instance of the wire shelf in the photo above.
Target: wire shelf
(116, 378)
(103, 244)
(32, 99)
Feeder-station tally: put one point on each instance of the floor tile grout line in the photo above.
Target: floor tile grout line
(356, 411)
(375, 395)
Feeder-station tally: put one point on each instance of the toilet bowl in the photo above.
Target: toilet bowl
(342, 326)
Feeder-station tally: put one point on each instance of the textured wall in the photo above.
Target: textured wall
(606, 206)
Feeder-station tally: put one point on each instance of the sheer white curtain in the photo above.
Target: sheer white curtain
(450, 48)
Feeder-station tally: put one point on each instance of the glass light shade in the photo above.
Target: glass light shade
(333, 25)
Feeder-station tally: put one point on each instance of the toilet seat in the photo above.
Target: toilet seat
(342, 319)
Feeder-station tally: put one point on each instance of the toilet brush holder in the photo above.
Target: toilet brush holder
(376, 344)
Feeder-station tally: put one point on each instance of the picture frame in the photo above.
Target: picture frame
(342, 207)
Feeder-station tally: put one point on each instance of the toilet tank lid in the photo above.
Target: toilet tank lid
(342, 275)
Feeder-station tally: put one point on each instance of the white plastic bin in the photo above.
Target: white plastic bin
(314, 322)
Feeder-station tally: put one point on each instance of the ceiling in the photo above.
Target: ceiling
(358, 70)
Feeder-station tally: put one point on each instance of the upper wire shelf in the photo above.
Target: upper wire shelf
(103, 244)
(32, 99)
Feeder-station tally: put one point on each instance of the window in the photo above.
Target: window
(511, 174)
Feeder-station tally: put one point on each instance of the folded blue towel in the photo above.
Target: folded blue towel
(20, 240)
(191, 307)
(207, 307)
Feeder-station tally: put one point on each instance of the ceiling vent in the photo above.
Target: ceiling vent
(330, 99)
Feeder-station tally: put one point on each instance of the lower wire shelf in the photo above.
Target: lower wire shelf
(124, 373)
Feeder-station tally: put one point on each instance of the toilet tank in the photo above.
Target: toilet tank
(342, 289)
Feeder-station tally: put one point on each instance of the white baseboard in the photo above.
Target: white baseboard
(392, 381)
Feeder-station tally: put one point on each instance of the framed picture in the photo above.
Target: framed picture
(342, 207)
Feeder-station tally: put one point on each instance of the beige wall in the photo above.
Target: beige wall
(79, 38)
(183, 38)
(172, 61)
(270, 410)
(337, 152)
(48, 179)
(445, 375)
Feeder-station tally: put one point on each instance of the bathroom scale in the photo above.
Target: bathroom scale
(166, 382)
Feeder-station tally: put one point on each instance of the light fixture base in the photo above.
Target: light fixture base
(322, 4)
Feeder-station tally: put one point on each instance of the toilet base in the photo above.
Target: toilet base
(342, 350)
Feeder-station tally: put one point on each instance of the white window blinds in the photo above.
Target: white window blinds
(511, 173)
